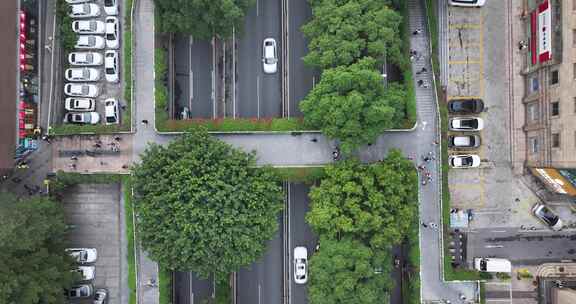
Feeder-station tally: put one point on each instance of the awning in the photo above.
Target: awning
(554, 181)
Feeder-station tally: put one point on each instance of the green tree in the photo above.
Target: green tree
(34, 267)
(343, 31)
(201, 18)
(374, 203)
(347, 271)
(204, 206)
(67, 36)
(350, 103)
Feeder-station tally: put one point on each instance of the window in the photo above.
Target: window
(554, 77)
(555, 108)
(555, 140)
(532, 83)
(533, 112)
(534, 144)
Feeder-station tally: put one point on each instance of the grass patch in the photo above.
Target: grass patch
(165, 285)
(482, 293)
(69, 129)
(300, 174)
(431, 10)
(127, 113)
(128, 211)
(67, 36)
(230, 124)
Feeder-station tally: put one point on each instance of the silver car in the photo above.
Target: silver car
(80, 291)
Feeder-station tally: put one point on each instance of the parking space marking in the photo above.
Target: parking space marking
(481, 82)
(464, 45)
(465, 62)
(465, 26)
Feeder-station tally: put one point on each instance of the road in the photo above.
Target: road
(522, 247)
(261, 282)
(257, 94)
(190, 289)
(300, 234)
(193, 70)
(301, 78)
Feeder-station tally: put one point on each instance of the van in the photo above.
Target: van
(492, 265)
(469, 3)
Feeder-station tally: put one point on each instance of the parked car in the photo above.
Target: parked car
(111, 7)
(468, 3)
(100, 296)
(85, 58)
(112, 33)
(84, 10)
(464, 141)
(88, 27)
(111, 66)
(82, 74)
(492, 265)
(81, 90)
(90, 42)
(546, 215)
(269, 56)
(82, 118)
(86, 273)
(80, 291)
(463, 161)
(300, 265)
(111, 111)
(466, 106)
(79, 104)
(466, 124)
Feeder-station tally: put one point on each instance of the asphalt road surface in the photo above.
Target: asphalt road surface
(300, 235)
(190, 289)
(193, 69)
(261, 282)
(301, 78)
(524, 248)
(258, 94)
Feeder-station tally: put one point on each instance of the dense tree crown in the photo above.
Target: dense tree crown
(350, 103)
(204, 206)
(373, 203)
(347, 271)
(343, 31)
(201, 18)
(34, 268)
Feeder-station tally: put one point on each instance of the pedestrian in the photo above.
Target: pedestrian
(102, 163)
(413, 52)
(429, 179)
(433, 225)
(16, 180)
(72, 166)
(74, 157)
(424, 182)
(424, 225)
(426, 86)
(97, 145)
(124, 166)
(426, 159)
(115, 149)
(417, 31)
(117, 138)
(435, 142)
(145, 122)
(314, 139)
(46, 138)
(336, 154)
(420, 82)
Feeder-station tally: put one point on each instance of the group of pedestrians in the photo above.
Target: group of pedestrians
(424, 172)
(97, 147)
(415, 55)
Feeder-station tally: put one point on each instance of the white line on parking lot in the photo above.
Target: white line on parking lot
(258, 94)
(493, 246)
(191, 293)
(259, 294)
(498, 231)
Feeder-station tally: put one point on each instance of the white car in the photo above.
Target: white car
(86, 272)
(111, 7)
(100, 296)
(464, 161)
(83, 255)
(81, 90)
(74, 104)
(85, 58)
(82, 118)
(88, 27)
(546, 215)
(80, 291)
(90, 42)
(77, 1)
(111, 111)
(300, 265)
(466, 124)
(468, 3)
(269, 56)
(112, 33)
(82, 74)
(84, 10)
(111, 66)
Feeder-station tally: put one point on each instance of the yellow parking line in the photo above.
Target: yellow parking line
(465, 62)
(465, 25)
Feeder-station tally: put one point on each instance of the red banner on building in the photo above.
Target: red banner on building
(544, 32)
(533, 31)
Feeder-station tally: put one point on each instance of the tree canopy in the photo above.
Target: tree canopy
(201, 18)
(347, 271)
(34, 268)
(204, 206)
(343, 31)
(351, 104)
(373, 203)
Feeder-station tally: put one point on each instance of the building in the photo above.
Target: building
(549, 100)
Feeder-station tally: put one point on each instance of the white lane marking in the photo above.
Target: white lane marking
(288, 212)
(424, 123)
(498, 231)
(191, 293)
(493, 246)
(257, 8)
(191, 76)
(259, 294)
(258, 94)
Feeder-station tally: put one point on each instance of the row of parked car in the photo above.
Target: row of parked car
(464, 122)
(85, 257)
(85, 70)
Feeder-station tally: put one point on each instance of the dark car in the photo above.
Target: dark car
(466, 106)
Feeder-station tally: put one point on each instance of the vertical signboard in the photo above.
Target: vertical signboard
(544, 32)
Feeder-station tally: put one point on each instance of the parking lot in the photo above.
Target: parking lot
(109, 83)
(95, 214)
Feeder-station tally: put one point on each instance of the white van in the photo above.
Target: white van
(469, 3)
(492, 265)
